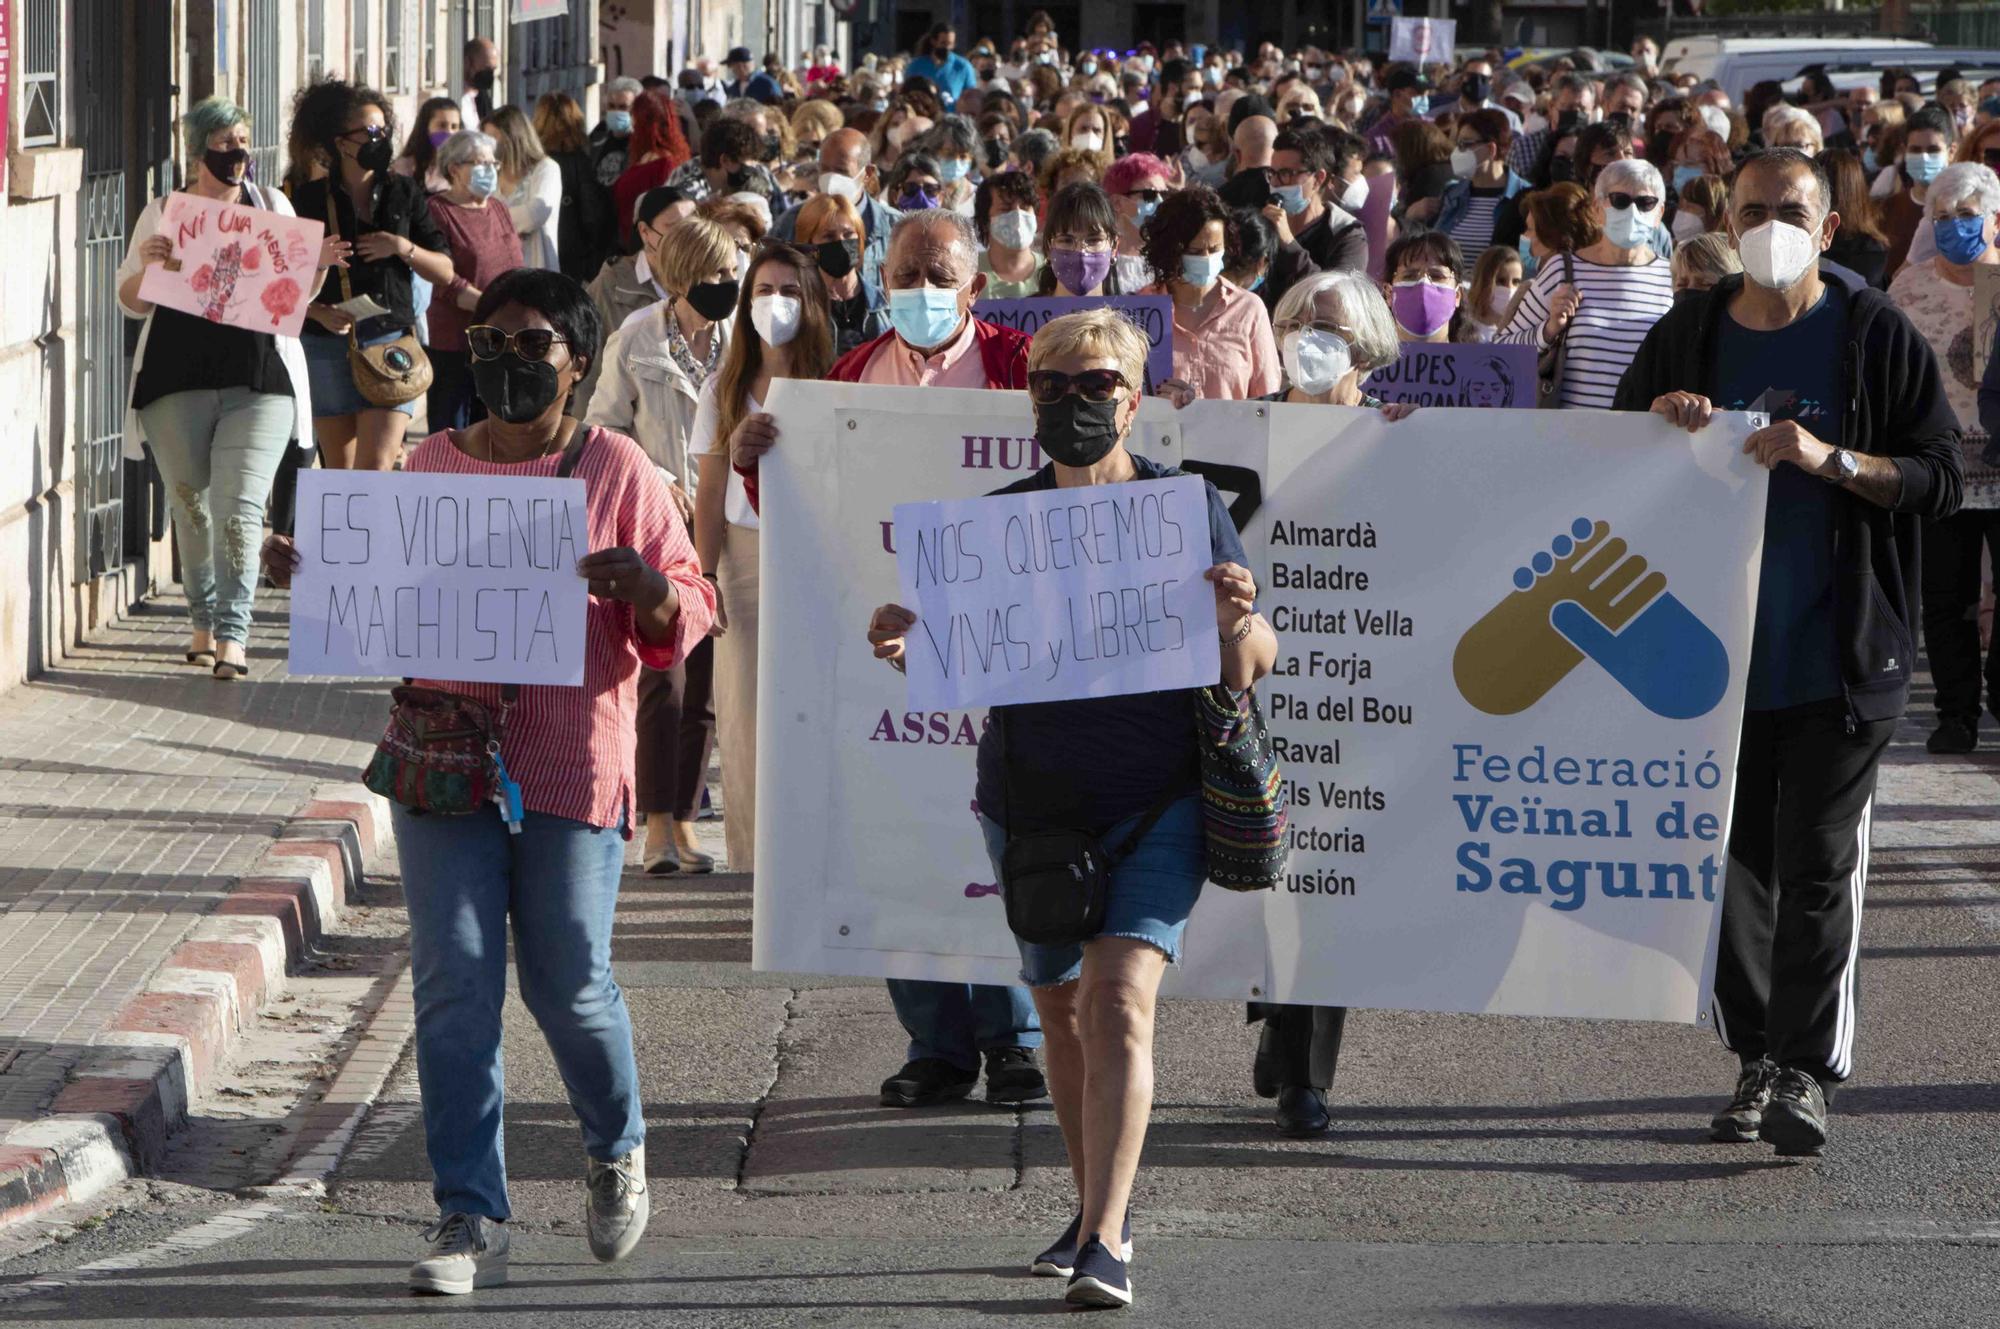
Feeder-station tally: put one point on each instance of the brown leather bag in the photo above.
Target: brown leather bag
(393, 372)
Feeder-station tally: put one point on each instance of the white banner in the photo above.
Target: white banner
(464, 578)
(1510, 681)
(1058, 594)
(1422, 41)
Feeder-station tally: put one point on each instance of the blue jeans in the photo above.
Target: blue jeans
(955, 1022)
(463, 877)
(217, 451)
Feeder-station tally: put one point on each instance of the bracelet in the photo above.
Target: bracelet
(710, 576)
(1249, 621)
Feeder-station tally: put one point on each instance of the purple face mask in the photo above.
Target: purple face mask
(1080, 270)
(438, 136)
(1421, 308)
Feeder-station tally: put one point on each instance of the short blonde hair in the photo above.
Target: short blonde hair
(814, 120)
(1703, 260)
(690, 251)
(1104, 332)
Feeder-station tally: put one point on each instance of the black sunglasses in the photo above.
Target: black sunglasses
(1643, 202)
(1146, 195)
(1048, 386)
(487, 342)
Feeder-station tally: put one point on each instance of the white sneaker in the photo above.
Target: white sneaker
(467, 1252)
(616, 1204)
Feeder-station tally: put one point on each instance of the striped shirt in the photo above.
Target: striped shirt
(571, 748)
(1474, 228)
(1620, 306)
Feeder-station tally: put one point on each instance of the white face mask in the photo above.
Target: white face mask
(776, 318)
(1316, 361)
(1090, 141)
(1355, 195)
(841, 186)
(1498, 304)
(1015, 229)
(1464, 161)
(1777, 254)
(1687, 225)
(1196, 159)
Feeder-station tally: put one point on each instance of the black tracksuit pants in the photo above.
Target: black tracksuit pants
(1951, 611)
(1300, 1045)
(1786, 975)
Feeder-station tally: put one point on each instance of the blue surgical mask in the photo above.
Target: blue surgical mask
(879, 105)
(485, 178)
(1147, 207)
(1869, 161)
(953, 168)
(1923, 166)
(1960, 240)
(1421, 104)
(1685, 174)
(619, 123)
(1628, 228)
(1086, 67)
(1528, 260)
(1258, 284)
(1201, 270)
(1292, 198)
(924, 316)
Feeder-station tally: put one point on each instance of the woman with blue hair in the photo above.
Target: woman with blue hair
(217, 403)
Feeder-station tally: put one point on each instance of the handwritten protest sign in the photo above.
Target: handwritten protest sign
(467, 578)
(1459, 374)
(1058, 594)
(1422, 40)
(246, 267)
(1153, 315)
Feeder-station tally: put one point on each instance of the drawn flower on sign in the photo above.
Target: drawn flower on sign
(281, 298)
(253, 259)
(203, 275)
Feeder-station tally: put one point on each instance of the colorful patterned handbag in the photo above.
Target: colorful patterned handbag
(1242, 791)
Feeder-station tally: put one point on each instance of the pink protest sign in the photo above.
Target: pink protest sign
(247, 267)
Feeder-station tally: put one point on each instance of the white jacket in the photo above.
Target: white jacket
(644, 394)
(290, 353)
(536, 204)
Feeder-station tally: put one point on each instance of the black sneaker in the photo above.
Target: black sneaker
(1099, 1278)
(1059, 1260)
(1744, 1117)
(1952, 737)
(927, 1082)
(1795, 1122)
(1302, 1112)
(1013, 1077)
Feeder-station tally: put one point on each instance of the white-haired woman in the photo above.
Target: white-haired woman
(1119, 768)
(484, 245)
(1787, 126)
(218, 403)
(1963, 204)
(1333, 330)
(1601, 300)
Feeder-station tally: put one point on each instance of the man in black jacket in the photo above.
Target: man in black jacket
(1861, 447)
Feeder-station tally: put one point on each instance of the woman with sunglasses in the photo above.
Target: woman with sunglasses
(387, 218)
(783, 329)
(554, 874)
(1105, 766)
(1137, 184)
(1601, 300)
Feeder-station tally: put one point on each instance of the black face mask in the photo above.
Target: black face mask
(483, 80)
(375, 155)
(713, 300)
(228, 167)
(1561, 168)
(739, 179)
(514, 389)
(837, 258)
(774, 147)
(996, 153)
(1076, 432)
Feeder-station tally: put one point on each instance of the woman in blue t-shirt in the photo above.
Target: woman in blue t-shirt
(1104, 766)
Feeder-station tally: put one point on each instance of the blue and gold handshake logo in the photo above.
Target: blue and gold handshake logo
(1588, 597)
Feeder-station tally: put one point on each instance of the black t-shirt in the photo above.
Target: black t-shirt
(185, 353)
(849, 318)
(1088, 765)
(402, 207)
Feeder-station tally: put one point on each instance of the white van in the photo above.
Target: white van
(1739, 63)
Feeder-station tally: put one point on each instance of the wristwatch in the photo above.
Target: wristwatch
(1845, 467)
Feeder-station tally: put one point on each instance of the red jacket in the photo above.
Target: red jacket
(1002, 350)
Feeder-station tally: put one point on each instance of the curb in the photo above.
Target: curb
(132, 1088)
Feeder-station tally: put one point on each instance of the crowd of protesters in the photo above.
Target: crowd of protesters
(622, 296)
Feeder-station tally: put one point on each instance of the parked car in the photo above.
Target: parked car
(1738, 63)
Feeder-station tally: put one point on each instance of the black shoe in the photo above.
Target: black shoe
(1059, 1260)
(926, 1082)
(1013, 1077)
(1740, 1121)
(1302, 1112)
(1099, 1279)
(1953, 736)
(1795, 1122)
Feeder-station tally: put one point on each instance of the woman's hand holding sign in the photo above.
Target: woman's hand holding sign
(886, 631)
(1248, 646)
(621, 574)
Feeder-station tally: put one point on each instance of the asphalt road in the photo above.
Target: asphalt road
(1481, 1171)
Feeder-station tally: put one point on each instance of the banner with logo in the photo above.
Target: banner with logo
(1509, 689)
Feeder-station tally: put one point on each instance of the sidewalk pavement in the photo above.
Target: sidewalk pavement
(136, 794)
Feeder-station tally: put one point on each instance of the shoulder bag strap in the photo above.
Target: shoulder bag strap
(574, 452)
(333, 229)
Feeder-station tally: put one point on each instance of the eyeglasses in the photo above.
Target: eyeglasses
(487, 342)
(1643, 202)
(1048, 386)
(1325, 325)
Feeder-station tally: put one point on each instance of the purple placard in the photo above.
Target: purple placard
(1458, 374)
(1153, 315)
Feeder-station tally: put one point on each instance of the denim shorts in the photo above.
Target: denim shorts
(1153, 890)
(332, 378)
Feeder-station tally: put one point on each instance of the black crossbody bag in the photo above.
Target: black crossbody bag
(1055, 883)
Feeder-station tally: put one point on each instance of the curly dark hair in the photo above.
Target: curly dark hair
(730, 137)
(321, 112)
(1178, 220)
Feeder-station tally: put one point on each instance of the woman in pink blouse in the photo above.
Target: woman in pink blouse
(465, 878)
(1222, 333)
(483, 245)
